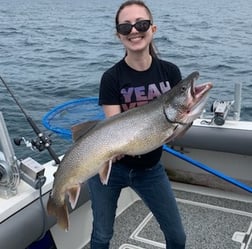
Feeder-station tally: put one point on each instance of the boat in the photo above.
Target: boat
(210, 168)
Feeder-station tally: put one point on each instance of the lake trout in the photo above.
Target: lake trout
(134, 132)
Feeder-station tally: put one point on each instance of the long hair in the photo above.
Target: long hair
(152, 48)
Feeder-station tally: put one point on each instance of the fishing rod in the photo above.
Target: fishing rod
(43, 141)
(208, 169)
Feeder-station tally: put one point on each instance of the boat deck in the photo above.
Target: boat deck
(212, 219)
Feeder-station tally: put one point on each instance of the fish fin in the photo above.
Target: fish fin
(73, 194)
(105, 172)
(178, 132)
(60, 212)
(81, 129)
(185, 130)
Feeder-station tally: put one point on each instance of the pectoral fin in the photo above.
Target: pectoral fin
(178, 131)
(73, 194)
(105, 172)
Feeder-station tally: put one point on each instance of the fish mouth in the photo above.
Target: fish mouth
(197, 96)
(197, 91)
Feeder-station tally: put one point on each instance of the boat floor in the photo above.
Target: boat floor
(210, 221)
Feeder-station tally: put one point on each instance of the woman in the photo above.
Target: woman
(138, 78)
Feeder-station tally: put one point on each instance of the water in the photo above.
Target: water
(55, 51)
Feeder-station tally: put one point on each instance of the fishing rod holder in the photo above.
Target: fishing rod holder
(9, 167)
(13, 170)
(224, 109)
(220, 110)
(32, 172)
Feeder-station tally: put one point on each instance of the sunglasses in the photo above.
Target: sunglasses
(141, 26)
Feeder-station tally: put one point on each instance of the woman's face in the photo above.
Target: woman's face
(135, 41)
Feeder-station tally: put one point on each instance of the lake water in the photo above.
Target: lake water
(55, 51)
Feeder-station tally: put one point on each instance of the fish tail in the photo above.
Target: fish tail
(60, 212)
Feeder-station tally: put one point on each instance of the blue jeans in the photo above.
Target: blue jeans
(154, 188)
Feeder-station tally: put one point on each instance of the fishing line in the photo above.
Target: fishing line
(208, 169)
(44, 140)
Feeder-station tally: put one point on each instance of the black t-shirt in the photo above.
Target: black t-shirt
(124, 86)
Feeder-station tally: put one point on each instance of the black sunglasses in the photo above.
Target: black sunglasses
(141, 26)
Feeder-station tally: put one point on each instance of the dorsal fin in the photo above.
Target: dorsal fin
(81, 129)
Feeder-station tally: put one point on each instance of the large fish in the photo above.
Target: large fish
(135, 132)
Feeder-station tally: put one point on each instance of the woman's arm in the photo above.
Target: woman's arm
(111, 110)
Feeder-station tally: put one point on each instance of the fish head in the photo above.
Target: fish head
(185, 102)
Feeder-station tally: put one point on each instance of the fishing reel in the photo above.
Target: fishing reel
(42, 140)
(220, 110)
(34, 143)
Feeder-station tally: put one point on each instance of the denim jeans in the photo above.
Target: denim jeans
(153, 187)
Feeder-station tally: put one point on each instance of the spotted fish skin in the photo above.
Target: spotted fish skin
(134, 132)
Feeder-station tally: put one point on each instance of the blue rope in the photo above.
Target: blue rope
(208, 169)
